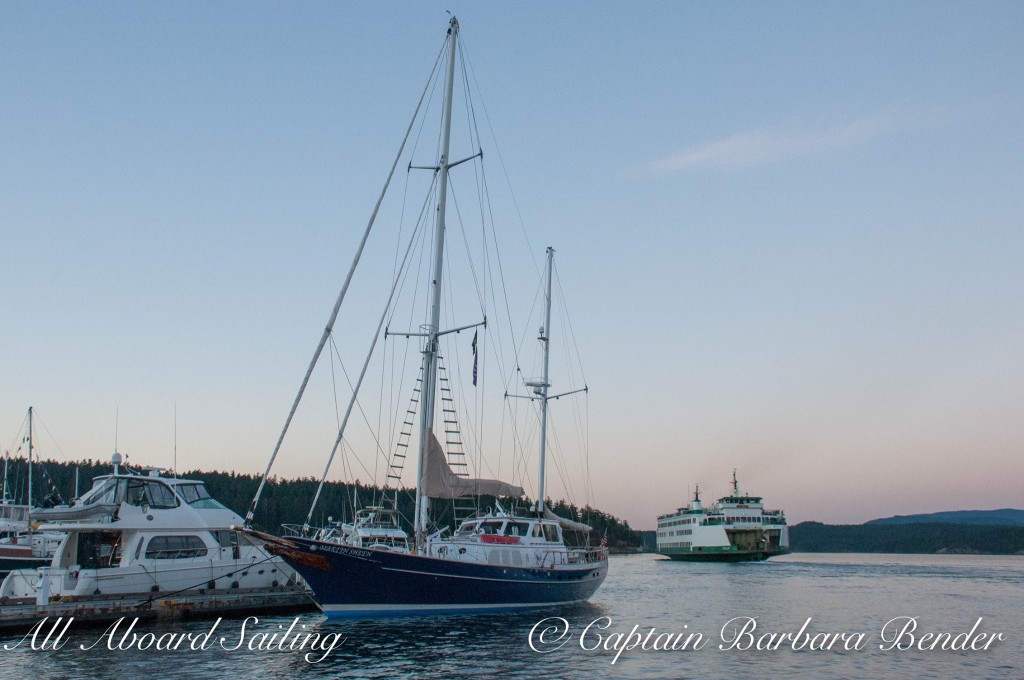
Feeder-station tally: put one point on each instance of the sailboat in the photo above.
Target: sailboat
(20, 546)
(499, 559)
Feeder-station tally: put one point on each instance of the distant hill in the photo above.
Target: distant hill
(908, 538)
(1004, 517)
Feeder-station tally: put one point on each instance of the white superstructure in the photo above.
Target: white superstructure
(137, 533)
(735, 528)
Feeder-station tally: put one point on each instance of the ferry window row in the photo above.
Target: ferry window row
(677, 522)
(677, 532)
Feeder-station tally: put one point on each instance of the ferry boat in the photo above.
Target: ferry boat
(736, 528)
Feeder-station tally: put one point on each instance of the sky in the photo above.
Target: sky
(789, 235)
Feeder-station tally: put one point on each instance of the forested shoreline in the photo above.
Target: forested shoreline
(924, 537)
(287, 501)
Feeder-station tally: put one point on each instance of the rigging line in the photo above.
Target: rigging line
(586, 445)
(430, 101)
(474, 129)
(420, 223)
(380, 412)
(334, 386)
(465, 240)
(52, 438)
(474, 135)
(341, 297)
(468, 69)
(398, 387)
(479, 412)
(517, 445)
(501, 159)
(497, 333)
(453, 344)
(577, 419)
(355, 389)
(425, 311)
(396, 273)
(568, 320)
(582, 429)
(526, 330)
(19, 438)
(228, 574)
(566, 348)
(560, 460)
(517, 349)
(420, 229)
(345, 467)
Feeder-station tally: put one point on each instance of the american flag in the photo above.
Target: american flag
(474, 357)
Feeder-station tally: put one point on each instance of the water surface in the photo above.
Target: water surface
(840, 594)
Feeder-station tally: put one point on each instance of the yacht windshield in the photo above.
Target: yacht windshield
(197, 496)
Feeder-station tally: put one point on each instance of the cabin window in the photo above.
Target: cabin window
(198, 497)
(104, 495)
(175, 547)
(517, 529)
(152, 493)
(490, 528)
(550, 533)
(227, 539)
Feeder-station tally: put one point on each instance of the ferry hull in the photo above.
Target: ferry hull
(721, 555)
(353, 582)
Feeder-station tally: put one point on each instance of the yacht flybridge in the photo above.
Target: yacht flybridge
(145, 533)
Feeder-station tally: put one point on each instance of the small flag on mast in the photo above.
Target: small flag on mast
(474, 357)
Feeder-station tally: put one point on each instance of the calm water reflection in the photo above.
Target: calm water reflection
(840, 593)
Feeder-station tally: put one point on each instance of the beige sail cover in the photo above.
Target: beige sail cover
(566, 523)
(440, 482)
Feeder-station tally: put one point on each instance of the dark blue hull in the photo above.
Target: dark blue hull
(355, 582)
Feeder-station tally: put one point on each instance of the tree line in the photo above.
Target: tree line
(907, 538)
(287, 501)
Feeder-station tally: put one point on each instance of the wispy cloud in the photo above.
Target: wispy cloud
(760, 147)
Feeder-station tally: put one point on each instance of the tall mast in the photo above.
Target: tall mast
(7, 458)
(30, 468)
(428, 395)
(542, 389)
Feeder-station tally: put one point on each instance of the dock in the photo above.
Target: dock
(20, 614)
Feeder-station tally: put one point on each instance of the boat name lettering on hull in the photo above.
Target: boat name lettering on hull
(343, 550)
